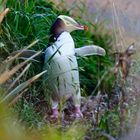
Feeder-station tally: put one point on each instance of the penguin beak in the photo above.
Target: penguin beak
(82, 27)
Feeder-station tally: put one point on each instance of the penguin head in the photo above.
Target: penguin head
(69, 24)
(64, 23)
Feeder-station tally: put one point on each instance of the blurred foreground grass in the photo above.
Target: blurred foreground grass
(11, 128)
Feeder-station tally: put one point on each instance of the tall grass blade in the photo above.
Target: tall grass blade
(22, 73)
(2, 5)
(21, 87)
(3, 14)
(28, 53)
(8, 73)
(13, 102)
(19, 53)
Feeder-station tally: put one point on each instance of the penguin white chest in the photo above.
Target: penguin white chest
(62, 67)
(63, 46)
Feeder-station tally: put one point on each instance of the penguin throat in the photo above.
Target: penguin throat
(55, 36)
(58, 33)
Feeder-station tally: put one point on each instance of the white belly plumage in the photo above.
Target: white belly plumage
(62, 67)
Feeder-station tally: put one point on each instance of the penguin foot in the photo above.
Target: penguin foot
(77, 113)
(55, 114)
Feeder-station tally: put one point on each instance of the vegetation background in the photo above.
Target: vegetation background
(107, 114)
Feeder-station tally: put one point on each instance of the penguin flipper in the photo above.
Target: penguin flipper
(89, 50)
(28, 53)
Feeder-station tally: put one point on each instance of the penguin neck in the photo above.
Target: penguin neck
(56, 35)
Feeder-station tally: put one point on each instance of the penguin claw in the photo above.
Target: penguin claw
(55, 114)
(77, 112)
(78, 115)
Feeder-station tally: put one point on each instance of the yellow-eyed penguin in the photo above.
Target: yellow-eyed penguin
(61, 63)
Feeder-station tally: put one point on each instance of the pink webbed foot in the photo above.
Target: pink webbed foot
(77, 113)
(55, 114)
